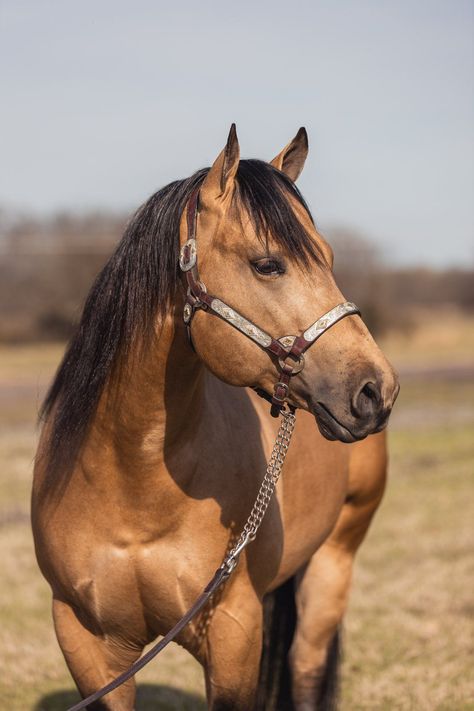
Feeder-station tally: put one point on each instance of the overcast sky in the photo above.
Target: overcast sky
(104, 102)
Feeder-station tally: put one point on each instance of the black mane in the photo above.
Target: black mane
(139, 282)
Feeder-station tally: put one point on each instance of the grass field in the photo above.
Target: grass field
(409, 634)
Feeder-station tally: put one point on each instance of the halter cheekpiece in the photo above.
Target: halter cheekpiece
(288, 350)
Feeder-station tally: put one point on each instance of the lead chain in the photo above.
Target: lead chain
(267, 487)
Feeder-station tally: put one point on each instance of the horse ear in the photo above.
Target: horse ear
(292, 158)
(219, 182)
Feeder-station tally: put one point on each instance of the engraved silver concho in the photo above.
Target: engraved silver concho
(287, 341)
(188, 255)
(187, 313)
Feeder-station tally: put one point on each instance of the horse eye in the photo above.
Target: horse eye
(268, 267)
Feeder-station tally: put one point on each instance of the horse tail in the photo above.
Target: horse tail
(328, 695)
(274, 687)
(279, 622)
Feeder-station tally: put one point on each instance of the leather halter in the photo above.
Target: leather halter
(289, 350)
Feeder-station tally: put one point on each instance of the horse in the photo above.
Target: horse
(153, 447)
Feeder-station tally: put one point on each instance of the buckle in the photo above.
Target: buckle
(280, 392)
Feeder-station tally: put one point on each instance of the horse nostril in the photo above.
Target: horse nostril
(367, 400)
(371, 392)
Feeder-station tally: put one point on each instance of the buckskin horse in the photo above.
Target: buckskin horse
(154, 444)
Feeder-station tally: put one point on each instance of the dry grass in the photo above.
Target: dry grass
(438, 337)
(409, 634)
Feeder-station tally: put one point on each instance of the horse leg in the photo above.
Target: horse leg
(323, 586)
(93, 661)
(233, 648)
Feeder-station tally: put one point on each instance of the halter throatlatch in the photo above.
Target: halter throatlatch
(288, 350)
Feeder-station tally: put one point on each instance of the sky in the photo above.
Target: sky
(104, 102)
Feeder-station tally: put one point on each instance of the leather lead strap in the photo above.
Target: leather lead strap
(220, 576)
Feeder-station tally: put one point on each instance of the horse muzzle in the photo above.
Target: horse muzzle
(367, 412)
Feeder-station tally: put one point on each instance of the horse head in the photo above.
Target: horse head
(270, 272)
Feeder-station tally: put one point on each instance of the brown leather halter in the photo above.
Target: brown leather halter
(289, 350)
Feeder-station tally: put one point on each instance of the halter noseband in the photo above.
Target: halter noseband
(289, 350)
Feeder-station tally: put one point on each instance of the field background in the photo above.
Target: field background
(409, 634)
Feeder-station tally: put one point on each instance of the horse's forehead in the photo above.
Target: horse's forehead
(239, 232)
(239, 225)
(234, 230)
(231, 228)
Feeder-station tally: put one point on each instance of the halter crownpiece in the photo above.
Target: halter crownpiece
(288, 350)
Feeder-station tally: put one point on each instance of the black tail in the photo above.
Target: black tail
(279, 622)
(274, 689)
(328, 695)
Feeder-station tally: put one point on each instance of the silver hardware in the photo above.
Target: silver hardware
(287, 341)
(285, 388)
(233, 558)
(241, 323)
(297, 365)
(188, 255)
(187, 312)
(329, 319)
(267, 487)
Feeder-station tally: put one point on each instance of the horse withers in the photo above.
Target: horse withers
(153, 448)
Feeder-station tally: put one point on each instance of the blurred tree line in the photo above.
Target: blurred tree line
(391, 297)
(47, 267)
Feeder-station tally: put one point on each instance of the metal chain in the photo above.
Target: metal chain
(267, 487)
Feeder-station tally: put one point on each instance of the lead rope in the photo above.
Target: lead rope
(249, 532)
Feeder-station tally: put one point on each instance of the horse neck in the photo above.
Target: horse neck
(156, 402)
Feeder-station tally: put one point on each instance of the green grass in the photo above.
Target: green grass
(409, 633)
